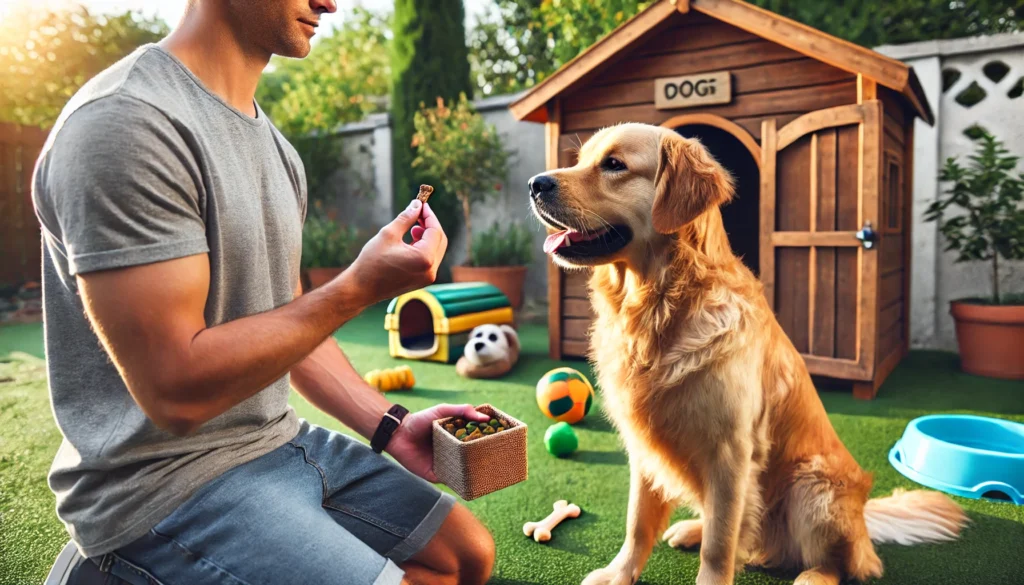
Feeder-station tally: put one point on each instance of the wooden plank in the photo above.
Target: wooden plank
(766, 261)
(754, 79)
(792, 207)
(715, 59)
(823, 118)
(893, 105)
(753, 124)
(589, 61)
(576, 328)
(889, 316)
(577, 308)
(891, 340)
(552, 135)
(682, 6)
(891, 250)
(812, 261)
(835, 368)
(868, 390)
(908, 218)
(826, 216)
(846, 302)
(803, 239)
(823, 338)
(784, 101)
(574, 349)
(800, 37)
(792, 303)
(894, 132)
(891, 288)
(869, 184)
(867, 89)
(695, 35)
(576, 284)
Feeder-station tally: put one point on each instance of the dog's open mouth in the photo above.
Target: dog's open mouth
(572, 244)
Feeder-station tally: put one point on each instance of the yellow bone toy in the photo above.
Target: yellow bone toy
(389, 380)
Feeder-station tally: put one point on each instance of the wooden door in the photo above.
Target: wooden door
(819, 188)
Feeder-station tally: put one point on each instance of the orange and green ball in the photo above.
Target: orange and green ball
(565, 395)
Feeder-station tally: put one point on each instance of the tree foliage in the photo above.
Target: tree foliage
(456, 145)
(47, 55)
(524, 41)
(989, 194)
(345, 77)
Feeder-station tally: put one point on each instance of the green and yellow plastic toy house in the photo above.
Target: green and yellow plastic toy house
(433, 323)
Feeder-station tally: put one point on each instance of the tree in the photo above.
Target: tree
(527, 40)
(428, 61)
(990, 194)
(345, 77)
(47, 55)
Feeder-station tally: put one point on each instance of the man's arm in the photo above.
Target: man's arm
(329, 382)
(150, 319)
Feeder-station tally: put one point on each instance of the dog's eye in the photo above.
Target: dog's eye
(492, 337)
(613, 164)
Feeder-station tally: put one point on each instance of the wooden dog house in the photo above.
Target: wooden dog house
(818, 133)
(434, 322)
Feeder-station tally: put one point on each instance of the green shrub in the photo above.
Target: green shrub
(989, 192)
(326, 243)
(497, 247)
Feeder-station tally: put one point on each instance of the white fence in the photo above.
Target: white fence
(935, 278)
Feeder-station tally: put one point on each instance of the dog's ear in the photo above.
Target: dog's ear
(510, 335)
(688, 183)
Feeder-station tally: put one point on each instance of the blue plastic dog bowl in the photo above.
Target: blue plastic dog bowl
(964, 455)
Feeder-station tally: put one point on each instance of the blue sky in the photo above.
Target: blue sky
(171, 10)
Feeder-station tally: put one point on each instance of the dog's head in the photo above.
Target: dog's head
(633, 184)
(489, 343)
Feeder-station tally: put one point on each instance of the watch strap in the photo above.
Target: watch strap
(389, 423)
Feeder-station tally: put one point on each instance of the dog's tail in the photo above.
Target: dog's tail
(914, 517)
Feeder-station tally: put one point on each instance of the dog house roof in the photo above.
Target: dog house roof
(455, 307)
(801, 38)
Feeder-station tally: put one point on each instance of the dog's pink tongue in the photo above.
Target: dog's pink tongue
(554, 241)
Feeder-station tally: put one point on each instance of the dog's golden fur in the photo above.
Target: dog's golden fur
(713, 402)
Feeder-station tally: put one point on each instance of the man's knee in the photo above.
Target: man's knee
(463, 550)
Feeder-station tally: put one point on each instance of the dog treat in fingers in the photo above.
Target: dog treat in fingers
(425, 192)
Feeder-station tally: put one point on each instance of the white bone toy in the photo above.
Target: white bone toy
(541, 531)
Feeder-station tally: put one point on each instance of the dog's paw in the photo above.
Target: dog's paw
(684, 534)
(819, 576)
(610, 575)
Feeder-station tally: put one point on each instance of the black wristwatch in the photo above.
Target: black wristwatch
(389, 423)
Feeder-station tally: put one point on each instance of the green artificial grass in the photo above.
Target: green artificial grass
(596, 477)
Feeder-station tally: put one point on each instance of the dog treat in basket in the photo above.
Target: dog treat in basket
(425, 192)
(470, 431)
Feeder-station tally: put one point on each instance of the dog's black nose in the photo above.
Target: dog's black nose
(478, 345)
(542, 184)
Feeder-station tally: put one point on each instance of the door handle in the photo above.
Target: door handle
(867, 236)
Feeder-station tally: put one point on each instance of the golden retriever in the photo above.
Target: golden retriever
(714, 404)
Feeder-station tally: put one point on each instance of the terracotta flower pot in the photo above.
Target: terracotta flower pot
(991, 339)
(508, 279)
(316, 277)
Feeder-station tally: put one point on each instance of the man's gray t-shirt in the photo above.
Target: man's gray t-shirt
(146, 165)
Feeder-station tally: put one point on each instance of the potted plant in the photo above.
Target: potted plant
(327, 248)
(459, 147)
(989, 192)
(500, 257)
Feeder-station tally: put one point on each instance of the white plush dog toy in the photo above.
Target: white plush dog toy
(491, 352)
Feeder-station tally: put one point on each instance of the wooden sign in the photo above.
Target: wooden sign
(693, 90)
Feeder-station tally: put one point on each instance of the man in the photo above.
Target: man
(172, 213)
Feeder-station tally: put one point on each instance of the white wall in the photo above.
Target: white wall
(936, 278)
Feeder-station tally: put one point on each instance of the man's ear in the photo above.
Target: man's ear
(688, 183)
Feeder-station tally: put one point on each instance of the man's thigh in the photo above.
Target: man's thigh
(265, 522)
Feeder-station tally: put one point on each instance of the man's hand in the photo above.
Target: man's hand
(412, 444)
(388, 267)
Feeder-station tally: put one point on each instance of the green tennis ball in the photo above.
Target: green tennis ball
(561, 440)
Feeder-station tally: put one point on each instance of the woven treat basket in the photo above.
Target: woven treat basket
(484, 465)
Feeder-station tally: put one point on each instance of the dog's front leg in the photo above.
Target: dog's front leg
(645, 519)
(725, 494)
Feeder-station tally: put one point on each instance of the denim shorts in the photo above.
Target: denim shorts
(323, 508)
